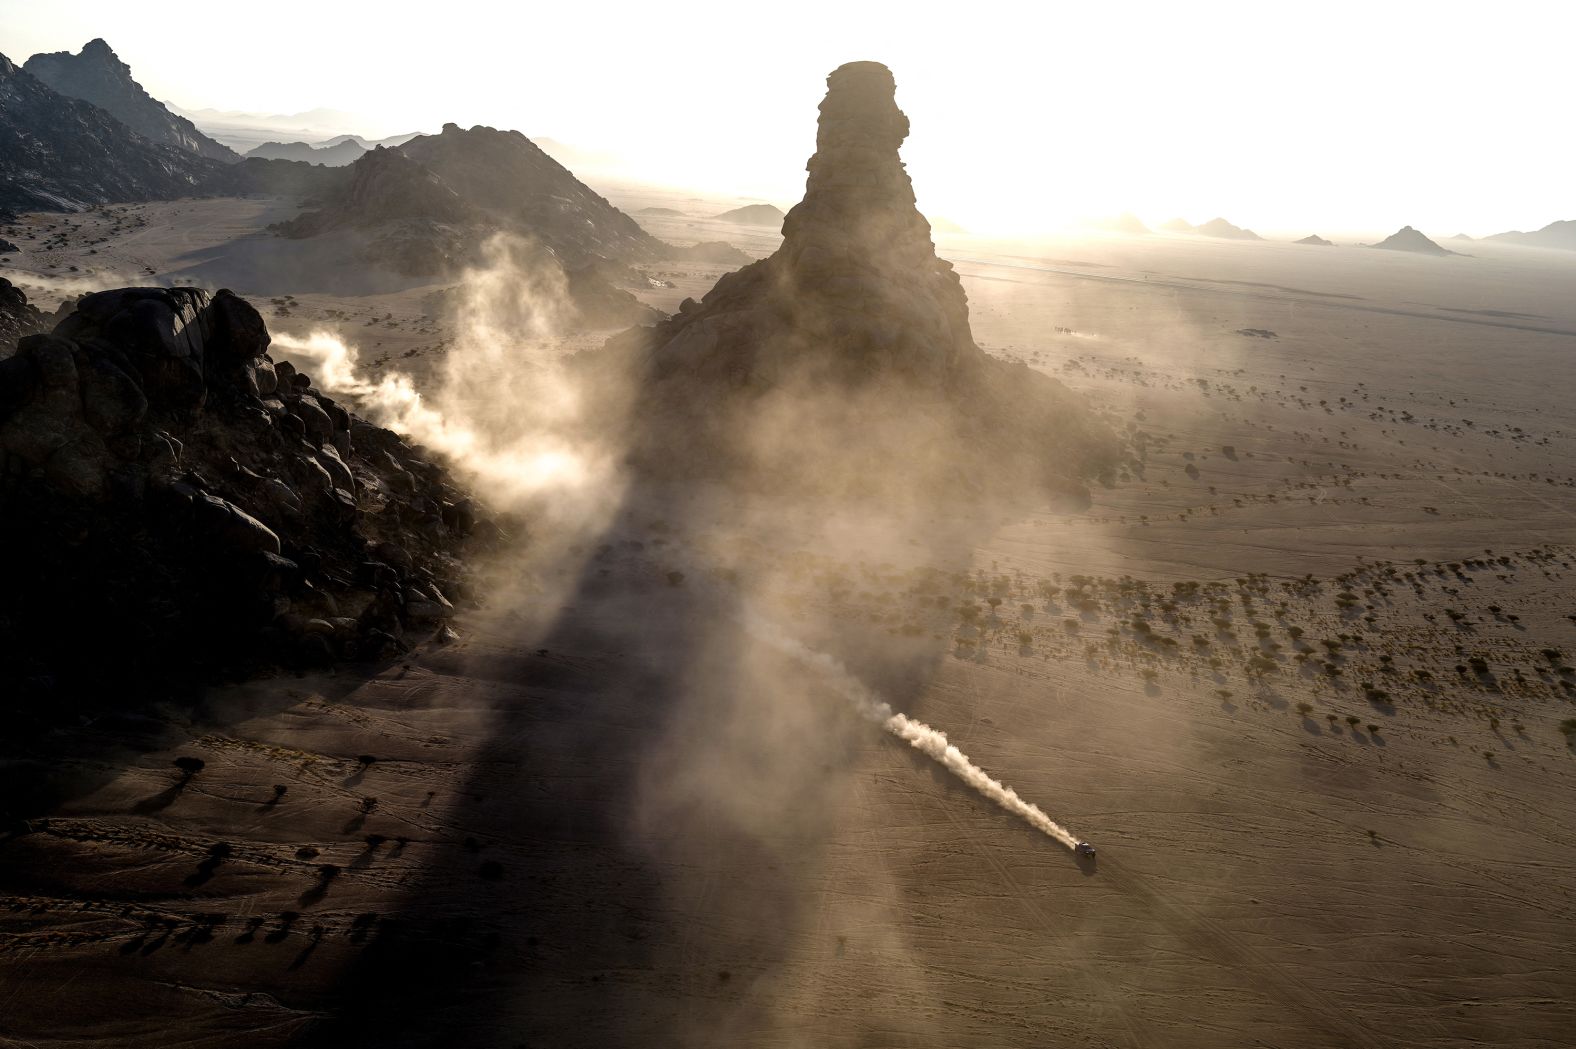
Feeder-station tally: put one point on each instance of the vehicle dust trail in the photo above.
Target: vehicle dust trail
(508, 467)
(931, 742)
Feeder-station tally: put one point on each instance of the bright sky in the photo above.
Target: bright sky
(1329, 117)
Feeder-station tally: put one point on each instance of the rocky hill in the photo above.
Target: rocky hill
(346, 151)
(1317, 241)
(843, 365)
(1408, 239)
(754, 215)
(191, 508)
(505, 175)
(421, 226)
(1560, 235)
(97, 75)
(417, 224)
(62, 154)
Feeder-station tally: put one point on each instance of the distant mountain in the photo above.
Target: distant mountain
(1222, 228)
(661, 212)
(1408, 239)
(97, 75)
(944, 225)
(1314, 238)
(506, 175)
(64, 154)
(1213, 228)
(318, 127)
(1127, 222)
(1461, 236)
(346, 151)
(369, 143)
(1561, 235)
(754, 215)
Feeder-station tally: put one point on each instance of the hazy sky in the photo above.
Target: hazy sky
(1330, 117)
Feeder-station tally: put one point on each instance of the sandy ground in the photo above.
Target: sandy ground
(1328, 783)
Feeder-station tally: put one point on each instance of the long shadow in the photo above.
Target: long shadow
(647, 822)
(45, 766)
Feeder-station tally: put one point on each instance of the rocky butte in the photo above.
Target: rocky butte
(844, 364)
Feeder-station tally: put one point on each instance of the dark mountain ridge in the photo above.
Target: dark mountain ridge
(97, 75)
(63, 154)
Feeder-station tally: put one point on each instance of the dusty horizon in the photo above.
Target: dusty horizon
(1345, 121)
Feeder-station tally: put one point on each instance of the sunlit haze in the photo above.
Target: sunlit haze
(1351, 118)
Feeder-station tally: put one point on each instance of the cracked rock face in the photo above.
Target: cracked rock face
(844, 364)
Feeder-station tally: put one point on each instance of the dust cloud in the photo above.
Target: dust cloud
(500, 411)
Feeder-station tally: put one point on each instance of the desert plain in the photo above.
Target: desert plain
(1301, 672)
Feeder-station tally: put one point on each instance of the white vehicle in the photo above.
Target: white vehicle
(1083, 848)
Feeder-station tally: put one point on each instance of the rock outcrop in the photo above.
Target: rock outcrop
(844, 362)
(98, 76)
(18, 317)
(63, 154)
(1408, 239)
(177, 505)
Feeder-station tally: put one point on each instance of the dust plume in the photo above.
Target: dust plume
(500, 411)
(931, 742)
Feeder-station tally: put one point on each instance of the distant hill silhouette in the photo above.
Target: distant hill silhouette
(1216, 227)
(346, 151)
(1127, 222)
(754, 215)
(1314, 238)
(1221, 228)
(1560, 234)
(97, 75)
(1408, 239)
(63, 154)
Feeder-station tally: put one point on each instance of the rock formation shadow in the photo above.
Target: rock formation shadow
(669, 747)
